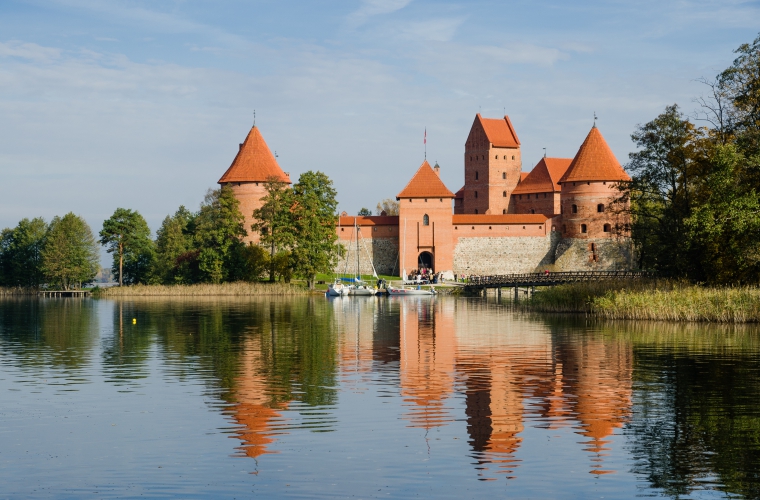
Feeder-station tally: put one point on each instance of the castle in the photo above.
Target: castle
(561, 215)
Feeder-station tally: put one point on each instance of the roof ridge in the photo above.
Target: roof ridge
(254, 162)
(425, 183)
(595, 161)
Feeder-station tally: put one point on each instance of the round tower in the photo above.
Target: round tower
(252, 167)
(589, 190)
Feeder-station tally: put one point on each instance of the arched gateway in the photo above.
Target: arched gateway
(425, 261)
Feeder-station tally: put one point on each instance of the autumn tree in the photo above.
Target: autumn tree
(314, 220)
(388, 205)
(70, 255)
(126, 235)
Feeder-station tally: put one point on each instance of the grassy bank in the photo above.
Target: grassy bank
(226, 289)
(663, 301)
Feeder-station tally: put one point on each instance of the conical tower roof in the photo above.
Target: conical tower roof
(425, 184)
(594, 162)
(254, 162)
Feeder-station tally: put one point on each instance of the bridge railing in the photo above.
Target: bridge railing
(554, 278)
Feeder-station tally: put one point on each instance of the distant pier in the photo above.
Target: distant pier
(63, 293)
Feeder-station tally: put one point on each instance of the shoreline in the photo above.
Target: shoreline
(239, 289)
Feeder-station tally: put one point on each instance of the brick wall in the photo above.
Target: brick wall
(504, 255)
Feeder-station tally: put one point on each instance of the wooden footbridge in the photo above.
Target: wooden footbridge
(478, 284)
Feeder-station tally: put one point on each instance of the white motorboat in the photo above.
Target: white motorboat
(361, 290)
(404, 290)
(337, 289)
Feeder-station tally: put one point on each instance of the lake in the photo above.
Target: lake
(359, 397)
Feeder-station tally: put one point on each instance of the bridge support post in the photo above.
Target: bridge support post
(517, 294)
(498, 293)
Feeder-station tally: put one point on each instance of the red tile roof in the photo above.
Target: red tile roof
(371, 220)
(501, 219)
(595, 162)
(425, 184)
(545, 176)
(460, 194)
(523, 175)
(499, 131)
(254, 162)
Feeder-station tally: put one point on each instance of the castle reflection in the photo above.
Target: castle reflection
(448, 357)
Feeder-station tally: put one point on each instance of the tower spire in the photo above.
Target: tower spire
(254, 117)
(594, 119)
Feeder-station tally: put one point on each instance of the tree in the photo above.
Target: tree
(365, 212)
(127, 236)
(314, 220)
(70, 255)
(274, 220)
(389, 206)
(173, 239)
(664, 172)
(21, 254)
(219, 228)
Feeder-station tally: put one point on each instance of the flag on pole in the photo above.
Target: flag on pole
(424, 141)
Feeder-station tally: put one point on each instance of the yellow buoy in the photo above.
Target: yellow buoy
(134, 321)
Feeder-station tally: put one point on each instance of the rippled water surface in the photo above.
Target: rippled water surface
(369, 398)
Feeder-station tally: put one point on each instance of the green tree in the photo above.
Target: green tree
(173, 239)
(21, 254)
(664, 172)
(127, 236)
(274, 220)
(364, 212)
(219, 228)
(70, 255)
(314, 220)
(740, 85)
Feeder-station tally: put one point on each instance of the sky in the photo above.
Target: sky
(141, 104)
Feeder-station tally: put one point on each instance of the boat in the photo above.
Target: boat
(337, 289)
(405, 290)
(360, 288)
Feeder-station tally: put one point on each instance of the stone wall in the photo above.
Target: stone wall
(505, 255)
(383, 251)
(594, 254)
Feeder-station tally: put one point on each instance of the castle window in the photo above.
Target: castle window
(521, 197)
(532, 211)
(505, 157)
(476, 194)
(495, 158)
(600, 208)
(425, 220)
(523, 227)
(470, 158)
(476, 175)
(592, 247)
(504, 174)
(536, 195)
(410, 200)
(583, 228)
(575, 209)
(605, 183)
(456, 228)
(504, 211)
(342, 229)
(257, 183)
(561, 209)
(513, 157)
(504, 194)
(489, 227)
(476, 210)
(564, 228)
(440, 199)
(540, 227)
(544, 195)
(425, 200)
(607, 228)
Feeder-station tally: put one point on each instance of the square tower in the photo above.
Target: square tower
(492, 166)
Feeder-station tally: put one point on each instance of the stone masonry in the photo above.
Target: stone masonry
(383, 251)
(594, 254)
(506, 255)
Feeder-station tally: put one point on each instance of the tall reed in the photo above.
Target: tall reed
(651, 300)
(225, 289)
(6, 292)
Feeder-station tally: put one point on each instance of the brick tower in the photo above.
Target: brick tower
(492, 166)
(588, 188)
(425, 230)
(253, 165)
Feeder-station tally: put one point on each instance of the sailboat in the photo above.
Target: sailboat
(359, 287)
(337, 288)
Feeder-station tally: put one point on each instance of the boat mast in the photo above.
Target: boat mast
(356, 233)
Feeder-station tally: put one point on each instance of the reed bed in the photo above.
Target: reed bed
(15, 292)
(226, 289)
(649, 300)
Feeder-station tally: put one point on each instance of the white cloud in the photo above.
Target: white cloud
(29, 51)
(371, 8)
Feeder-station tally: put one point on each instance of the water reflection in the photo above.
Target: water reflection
(674, 405)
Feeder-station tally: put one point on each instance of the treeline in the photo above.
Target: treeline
(694, 194)
(63, 253)
(297, 227)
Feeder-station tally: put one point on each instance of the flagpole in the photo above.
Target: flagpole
(424, 141)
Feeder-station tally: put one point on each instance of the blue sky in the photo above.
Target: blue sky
(139, 104)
